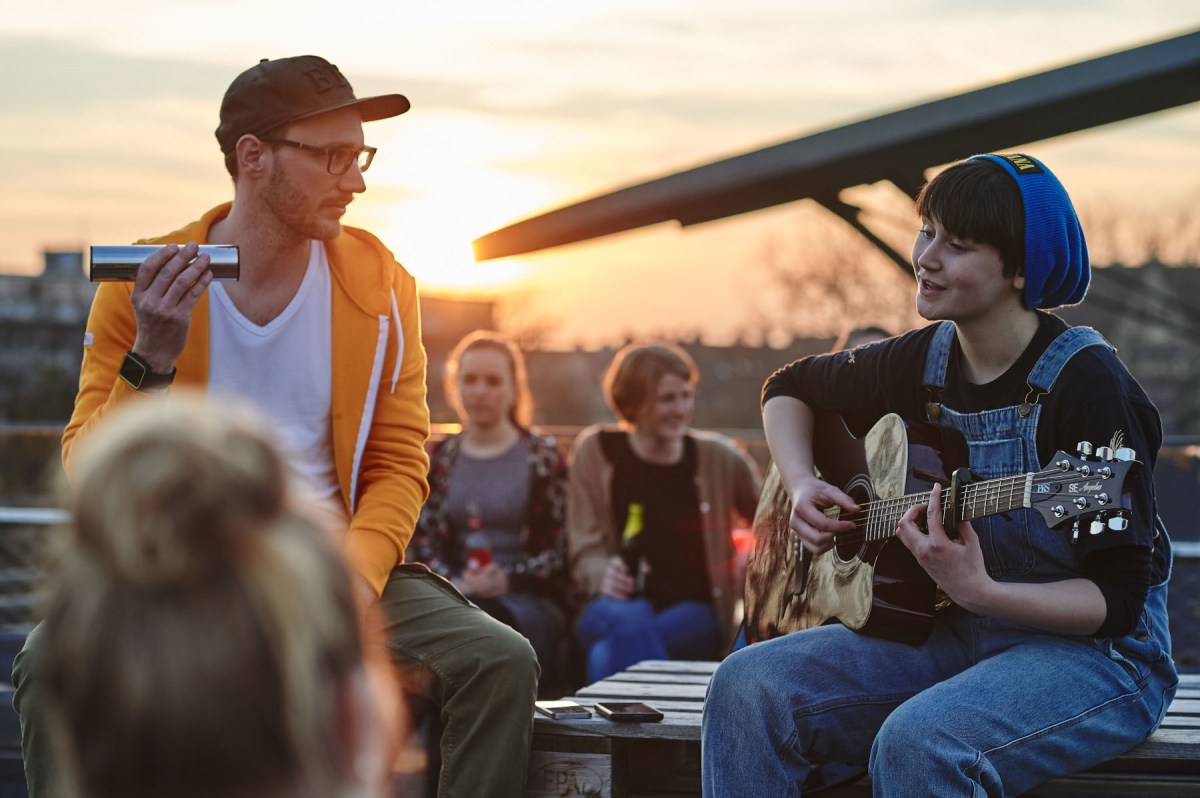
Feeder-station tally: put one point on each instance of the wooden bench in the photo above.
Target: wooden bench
(601, 759)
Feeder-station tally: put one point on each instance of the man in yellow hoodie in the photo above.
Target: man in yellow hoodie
(322, 332)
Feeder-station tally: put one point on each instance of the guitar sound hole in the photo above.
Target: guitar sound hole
(850, 545)
(847, 551)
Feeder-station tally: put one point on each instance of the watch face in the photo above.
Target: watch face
(134, 371)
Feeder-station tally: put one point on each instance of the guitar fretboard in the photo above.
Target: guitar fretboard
(878, 519)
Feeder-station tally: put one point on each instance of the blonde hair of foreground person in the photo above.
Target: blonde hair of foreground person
(202, 637)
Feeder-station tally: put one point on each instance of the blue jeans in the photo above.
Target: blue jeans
(617, 633)
(542, 624)
(983, 708)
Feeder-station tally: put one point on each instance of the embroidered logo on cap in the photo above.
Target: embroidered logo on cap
(1024, 165)
(325, 77)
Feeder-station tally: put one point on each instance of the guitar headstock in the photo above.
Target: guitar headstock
(1090, 486)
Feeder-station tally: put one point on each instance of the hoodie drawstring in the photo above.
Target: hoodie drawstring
(399, 341)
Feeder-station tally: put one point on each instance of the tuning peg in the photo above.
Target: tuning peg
(1125, 454)
(1075, 531)
(1103, 499)
(1118, 523)
(1104, 453)
(1104, 472)
(1084, 448)
(1096, 527)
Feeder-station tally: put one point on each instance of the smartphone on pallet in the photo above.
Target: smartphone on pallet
(562, 710)
(628, 711)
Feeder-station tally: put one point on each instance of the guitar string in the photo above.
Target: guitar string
(870, 526)
(1046, 477)
(989, 493)
(882, 525)
(1016, 485)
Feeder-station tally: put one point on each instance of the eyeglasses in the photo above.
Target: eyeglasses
(340, 158)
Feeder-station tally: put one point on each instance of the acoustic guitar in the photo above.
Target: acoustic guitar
(869, 581)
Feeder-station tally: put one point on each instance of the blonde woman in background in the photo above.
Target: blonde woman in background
(650, 515)
(201, 638)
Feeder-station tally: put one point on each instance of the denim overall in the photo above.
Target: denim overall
(985, 706)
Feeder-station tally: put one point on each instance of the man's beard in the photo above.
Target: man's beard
(294, 209)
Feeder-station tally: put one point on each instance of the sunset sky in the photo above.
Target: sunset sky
(107, 111)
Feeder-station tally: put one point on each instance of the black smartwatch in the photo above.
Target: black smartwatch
(137, 374)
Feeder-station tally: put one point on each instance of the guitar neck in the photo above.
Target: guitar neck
(974, 500)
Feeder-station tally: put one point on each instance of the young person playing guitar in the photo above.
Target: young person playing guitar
(1053, 653)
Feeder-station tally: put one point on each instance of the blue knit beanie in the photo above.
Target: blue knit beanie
(1056, 259)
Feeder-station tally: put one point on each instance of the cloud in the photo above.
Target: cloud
(60, 75)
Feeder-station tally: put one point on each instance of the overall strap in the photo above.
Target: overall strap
(1072, 340)
(1045, 372)
(936, 359)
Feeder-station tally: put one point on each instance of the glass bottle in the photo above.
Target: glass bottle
(633, 550)
(479, 548)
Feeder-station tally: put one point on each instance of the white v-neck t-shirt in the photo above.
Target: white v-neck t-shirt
(285, 369)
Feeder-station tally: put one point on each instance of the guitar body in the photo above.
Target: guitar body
(874, 587)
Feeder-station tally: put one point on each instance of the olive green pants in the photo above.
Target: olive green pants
(480, 673)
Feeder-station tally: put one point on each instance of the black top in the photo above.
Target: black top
(1094, 397)
(672, 537)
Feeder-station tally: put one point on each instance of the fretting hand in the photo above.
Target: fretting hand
(957, 566)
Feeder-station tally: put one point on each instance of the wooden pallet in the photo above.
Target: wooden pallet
(601, 759)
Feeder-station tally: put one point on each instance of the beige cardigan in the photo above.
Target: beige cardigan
(727, 482)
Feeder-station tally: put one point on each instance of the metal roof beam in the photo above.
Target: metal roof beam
(897, 146)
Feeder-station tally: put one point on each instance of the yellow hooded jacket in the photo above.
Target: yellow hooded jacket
(380, 417)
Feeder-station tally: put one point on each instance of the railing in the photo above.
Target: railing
(33, 516)
(1175, 449)
(23, 529)
(40, 517)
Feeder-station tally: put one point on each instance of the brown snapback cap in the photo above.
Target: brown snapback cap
(274, 93)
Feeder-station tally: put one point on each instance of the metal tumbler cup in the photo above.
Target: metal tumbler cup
(122, 262)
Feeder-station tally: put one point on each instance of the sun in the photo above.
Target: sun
(437, 251)
(431, 224)
(443, 179)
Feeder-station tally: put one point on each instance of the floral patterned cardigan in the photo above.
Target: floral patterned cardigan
(542, 572)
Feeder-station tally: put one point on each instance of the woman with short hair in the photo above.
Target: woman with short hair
(650, 513)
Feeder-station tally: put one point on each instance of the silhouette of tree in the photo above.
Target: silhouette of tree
(527, 328)
(824, 277)
(1121, 235)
